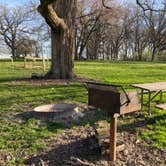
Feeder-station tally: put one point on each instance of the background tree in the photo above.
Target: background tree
(156, 25)
(140, 37)
(13, 26)
(87, 23)
(104, 30)
(28, 47)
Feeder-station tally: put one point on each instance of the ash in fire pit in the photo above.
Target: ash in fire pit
(58, 112)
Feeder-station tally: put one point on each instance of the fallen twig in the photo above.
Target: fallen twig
(77, 161)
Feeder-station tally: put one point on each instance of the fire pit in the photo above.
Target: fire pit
(58, 111)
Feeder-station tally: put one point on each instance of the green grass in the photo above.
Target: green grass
(155, 134)
(123, 73)
(22, 140)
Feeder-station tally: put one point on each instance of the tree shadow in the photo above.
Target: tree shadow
(140, 122)
(84, 149)
(35, 95)
(54, 123)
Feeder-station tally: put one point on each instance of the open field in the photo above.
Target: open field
(21, 139)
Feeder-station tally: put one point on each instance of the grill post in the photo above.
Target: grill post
(113, 137)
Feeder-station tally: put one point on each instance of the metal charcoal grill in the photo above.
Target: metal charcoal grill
(115, 101)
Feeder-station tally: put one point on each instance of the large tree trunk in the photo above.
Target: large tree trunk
(60, 16)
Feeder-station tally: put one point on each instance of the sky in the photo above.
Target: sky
(17, 2)
(12, 2)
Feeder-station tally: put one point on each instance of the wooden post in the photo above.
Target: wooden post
(43, 61)
(142, 98)
(24, 62)
(12, 62)
(161, 96)
(33, 62)
(47, 61)
(149, 102)
(113, 137)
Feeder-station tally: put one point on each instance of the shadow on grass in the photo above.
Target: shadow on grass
(25, 95)
(53, 123)
(126, 124)
(14, 78)
(141, 122)
(86, 148)
(3, 80)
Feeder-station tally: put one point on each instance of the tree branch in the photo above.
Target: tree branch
(146, 7)
(106, 6)
(46, 9)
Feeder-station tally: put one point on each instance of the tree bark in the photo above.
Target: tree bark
(60, 16)
(13, 53)
(139, 54)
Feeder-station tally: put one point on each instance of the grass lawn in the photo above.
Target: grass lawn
(18, 141)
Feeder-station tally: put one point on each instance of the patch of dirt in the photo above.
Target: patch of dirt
(40, 82)
(79, 146)
(82, 144)
(49, 82)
